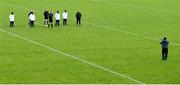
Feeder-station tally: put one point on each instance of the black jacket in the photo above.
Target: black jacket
(78, 15)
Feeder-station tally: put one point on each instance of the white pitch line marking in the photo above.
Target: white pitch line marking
(110, 28)
(71, 56)
(130, 33)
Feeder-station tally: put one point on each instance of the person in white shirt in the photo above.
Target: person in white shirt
(11, 19)
(57, 17)
(65, 17)
(32, 19)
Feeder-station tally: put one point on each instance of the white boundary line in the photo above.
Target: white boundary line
(110, 28)
(148, 8)
(71, 56)
(130, 33)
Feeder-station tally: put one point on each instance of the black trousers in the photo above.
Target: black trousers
(64, 21)
(57, 23)
(78, 21)
(11, 23)
(31, 23)
(164, 53)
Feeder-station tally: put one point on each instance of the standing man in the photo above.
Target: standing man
(46, 17)
(164, 43)
(11, 19)
(29, 21)
(50, 20)
(78, 18)
(57, 17)
(65, 17)
(32, 19)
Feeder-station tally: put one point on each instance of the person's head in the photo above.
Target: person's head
(32, 12)
(12, 13)
(165, 38)
(57, 11)
(65, 11)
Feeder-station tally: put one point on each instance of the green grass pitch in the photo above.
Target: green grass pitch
(122, 36)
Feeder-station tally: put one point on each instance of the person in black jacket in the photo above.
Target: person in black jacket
(50, 20)
(164, 43)
(46, 17)
(78, 18)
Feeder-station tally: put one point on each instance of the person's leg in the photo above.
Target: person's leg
(47, 22)
(163, 54)
(51, 24)
(63, 21)
(33, 24)
(30, 24)
(166, 54)
(44, 21)
(12, 23)
(79, 22)
(58, 23)
(66, 21)
(76, 22)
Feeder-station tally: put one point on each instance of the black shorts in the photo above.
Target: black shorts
(46, 17)
(50, 20)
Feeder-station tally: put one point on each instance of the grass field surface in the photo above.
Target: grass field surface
(118, 42)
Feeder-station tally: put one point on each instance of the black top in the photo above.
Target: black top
(51, 17)
(46, 14)
(164, 43)
(78, 15)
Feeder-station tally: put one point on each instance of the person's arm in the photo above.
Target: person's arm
(9, 17)
(161, 42)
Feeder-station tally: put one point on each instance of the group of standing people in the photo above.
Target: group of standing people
(48, 21)
(48, 18)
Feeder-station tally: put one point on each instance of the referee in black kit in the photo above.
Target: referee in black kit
(50, 20)
(46, 17)
(78, 18)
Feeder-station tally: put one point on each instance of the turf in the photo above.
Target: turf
(120, 35)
